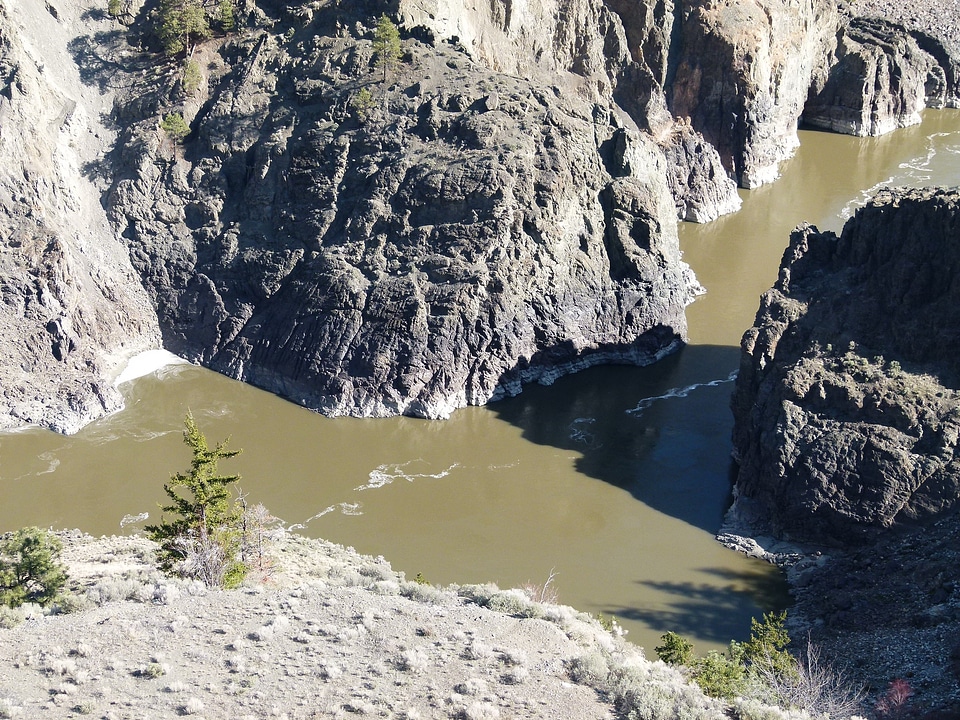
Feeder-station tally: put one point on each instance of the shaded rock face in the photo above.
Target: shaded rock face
(742, 74)
(846, 407)
(72, 308)
(879, 77)
(466, 232)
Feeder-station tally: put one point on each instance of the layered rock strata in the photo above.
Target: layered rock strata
(879, 77)
(846, 406)
(498, 210)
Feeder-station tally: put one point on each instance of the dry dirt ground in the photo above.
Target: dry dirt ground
(328, 634)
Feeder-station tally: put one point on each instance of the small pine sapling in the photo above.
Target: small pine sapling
(203, 537)
(175, 127)
(30, 567)
(386, 45)
(675, 650)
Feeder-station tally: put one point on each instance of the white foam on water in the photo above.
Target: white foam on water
(916, 173)
(387, 473)
(131, 519)
(678, 393)
(344, 507)
(580, 433)
(53, 462)
(146, 363)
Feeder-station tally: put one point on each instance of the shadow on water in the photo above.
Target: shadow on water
(661, 432)
(710, 611)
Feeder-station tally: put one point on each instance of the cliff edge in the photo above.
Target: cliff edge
(846, 409)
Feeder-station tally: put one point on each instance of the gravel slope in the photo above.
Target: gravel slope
(329, 634)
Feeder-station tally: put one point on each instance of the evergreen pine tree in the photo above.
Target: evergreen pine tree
(30, 567)
(225, 16)
(202, 537)
(386, 45)
(180, 21)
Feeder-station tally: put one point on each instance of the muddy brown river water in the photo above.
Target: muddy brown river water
(615, 479)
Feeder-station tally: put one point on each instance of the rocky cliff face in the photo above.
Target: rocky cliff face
(465, 233)
(742, 76)
(72, 308)
(846, 406)
(499, 210)
(879, 77)
(612, 52)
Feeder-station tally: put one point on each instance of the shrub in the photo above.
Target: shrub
(675, 650)
(894, 703)
(30, 567)
(816, 687)
(362, 103)
(191, 77)
(719, 676)
(175, 127)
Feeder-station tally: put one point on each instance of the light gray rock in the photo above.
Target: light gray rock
(879, 77)
(72, 308)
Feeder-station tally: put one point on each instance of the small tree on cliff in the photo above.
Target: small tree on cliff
(386, 45)
(203, 538)
(179, 23)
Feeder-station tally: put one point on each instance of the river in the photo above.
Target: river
(614, 480)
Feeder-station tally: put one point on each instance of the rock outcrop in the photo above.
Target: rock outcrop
(742, 73)
(846, 406)
(72, 307)
(499, 210)
(879, 77)
(611, 52)
(462, 233)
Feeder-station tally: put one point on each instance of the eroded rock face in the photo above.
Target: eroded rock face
(72, 308)
(846, 407)
(879, 77)
(742, 76)
(607, 51)
(464, 233)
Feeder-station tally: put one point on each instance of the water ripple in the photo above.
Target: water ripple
(677, 393)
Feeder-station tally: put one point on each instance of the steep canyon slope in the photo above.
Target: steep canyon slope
(499, 209)
(847, 415)
(72, 307)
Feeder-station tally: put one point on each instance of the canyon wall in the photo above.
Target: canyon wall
(846, 406)
(499, 209)
(73, 310)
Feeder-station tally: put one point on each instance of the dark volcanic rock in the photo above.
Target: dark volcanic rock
(846, 406)
(465, 233)
(879, 78)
